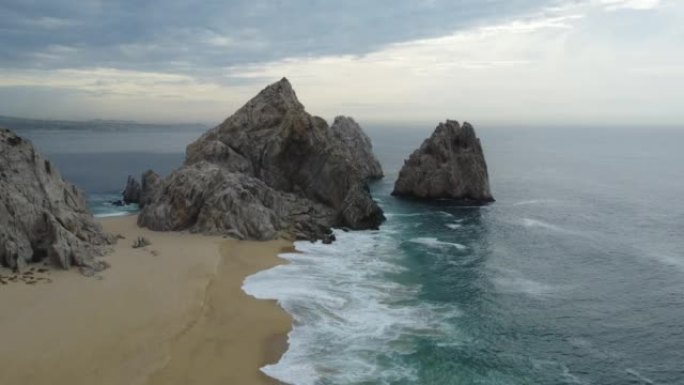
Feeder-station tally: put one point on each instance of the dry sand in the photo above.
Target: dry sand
(177, 317)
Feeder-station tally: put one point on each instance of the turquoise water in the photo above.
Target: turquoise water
(574, 276)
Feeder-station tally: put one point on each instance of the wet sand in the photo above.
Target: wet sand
(170, 313)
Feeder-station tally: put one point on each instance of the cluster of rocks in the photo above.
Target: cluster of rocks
(140, 193)
(30, 276)
(273, 170)
(270, 170)
(42, 217)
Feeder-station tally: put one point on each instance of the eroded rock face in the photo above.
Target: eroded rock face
(131, 193)
(142, 192)
(41, 215)
(448, 165)
(359, 144)
(270, 170)
(150, 185)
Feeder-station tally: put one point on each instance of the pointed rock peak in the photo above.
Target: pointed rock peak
(344, 119)
(283, 85)
(279, 94)
(468, 129)
(452, 128)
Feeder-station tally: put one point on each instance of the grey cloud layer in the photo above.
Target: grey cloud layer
(201, 37)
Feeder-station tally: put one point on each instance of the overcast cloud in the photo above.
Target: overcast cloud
(537, 61)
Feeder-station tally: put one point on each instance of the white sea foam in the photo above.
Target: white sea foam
(525, 286)
(534, 202)
(351, 323)
(454, 226)
(639, 376)
(529, 222)
(390, 215)
(115, 214)
(434, 242)
(513, 281)
(667, 259)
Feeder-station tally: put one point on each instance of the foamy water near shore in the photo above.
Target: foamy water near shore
(172, 312)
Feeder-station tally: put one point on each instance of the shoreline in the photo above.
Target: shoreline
(244, 332)
(171, 313)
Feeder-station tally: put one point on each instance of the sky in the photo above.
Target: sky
(517, 62)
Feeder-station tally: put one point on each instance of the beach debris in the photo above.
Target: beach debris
(29, 277)
(141, 242)
(94, 268)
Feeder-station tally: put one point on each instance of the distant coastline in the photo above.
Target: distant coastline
(19, 124)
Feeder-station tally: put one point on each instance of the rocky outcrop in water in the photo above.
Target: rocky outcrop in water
(448, 165)
(41, 215)
(270, 170)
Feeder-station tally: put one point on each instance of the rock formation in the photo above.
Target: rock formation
(346, 130)
(41, 215)
(269, 170)
(150, 184)
(141, 193)
(448, 165)
(131, 193)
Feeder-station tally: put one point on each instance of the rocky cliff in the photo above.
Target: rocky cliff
(41, 215)
(448, 165)
(131, 194)
(269, 170)
(347, 131)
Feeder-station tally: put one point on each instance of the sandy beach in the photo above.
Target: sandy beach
(170, 313)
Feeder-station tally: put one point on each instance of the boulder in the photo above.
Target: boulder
(270, 170)
(448, 165)
(41, 215)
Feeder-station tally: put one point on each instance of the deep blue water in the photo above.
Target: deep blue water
(574, 276)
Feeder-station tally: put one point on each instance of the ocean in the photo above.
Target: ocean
(574, 276)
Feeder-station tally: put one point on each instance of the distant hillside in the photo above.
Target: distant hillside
(20, 124)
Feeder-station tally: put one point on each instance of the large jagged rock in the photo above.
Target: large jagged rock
(150, 184)
(131, 193)
(448, 165)
(352, 136)
(270, 170)
(205, 197)
(41, 215)
(142, 192)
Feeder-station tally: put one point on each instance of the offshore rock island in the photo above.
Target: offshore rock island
(270, 171)
(448, 165)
